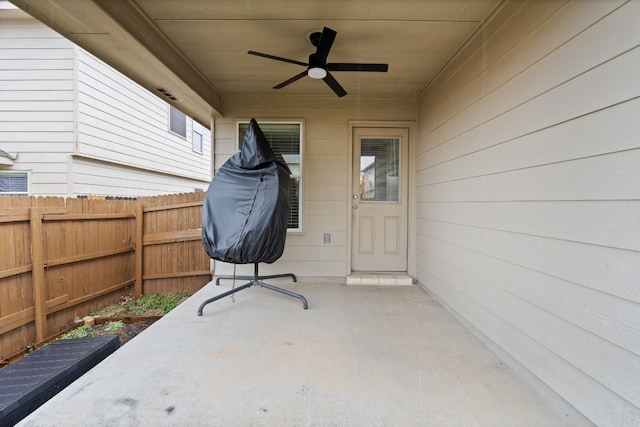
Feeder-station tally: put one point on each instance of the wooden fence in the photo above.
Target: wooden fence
(65, 258)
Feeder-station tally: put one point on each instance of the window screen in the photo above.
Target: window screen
(285, 138)
(14, 183)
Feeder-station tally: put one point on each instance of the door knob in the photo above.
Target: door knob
(354, 206)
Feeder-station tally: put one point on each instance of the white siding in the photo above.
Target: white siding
(36, 100)
(121, 122)
(95, 177)
(56, 100)
(528, 196)
(325, 177)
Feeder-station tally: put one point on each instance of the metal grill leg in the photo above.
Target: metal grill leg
(226, 294)
(256, 279)
(286, 292)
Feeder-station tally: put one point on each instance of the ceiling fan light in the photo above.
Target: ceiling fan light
(317, 73)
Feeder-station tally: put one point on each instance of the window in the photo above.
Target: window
(14, 183)
(197, 142)
(379, 165)
(177, 121)
(286, 139)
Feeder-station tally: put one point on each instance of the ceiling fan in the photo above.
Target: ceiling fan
(318, 68)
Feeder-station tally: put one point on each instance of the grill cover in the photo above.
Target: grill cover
(246, 208)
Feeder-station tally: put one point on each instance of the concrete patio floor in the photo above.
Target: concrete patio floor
(359, 356)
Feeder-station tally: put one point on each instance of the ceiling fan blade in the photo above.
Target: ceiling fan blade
(340, 66)
(277, 58)
(291, 80)
(334, 85)
(326, 41)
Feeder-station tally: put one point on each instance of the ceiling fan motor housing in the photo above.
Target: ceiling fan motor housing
(315, 61)
(315, 38)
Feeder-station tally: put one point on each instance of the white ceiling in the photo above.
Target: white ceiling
(198, 48)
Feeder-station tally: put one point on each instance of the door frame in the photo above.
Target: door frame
(411, 213)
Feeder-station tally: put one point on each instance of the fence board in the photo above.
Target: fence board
(86, 254)
(39, 290)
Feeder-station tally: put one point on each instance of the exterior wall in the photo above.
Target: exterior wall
(528, 197)
(123, 123)
(36, 100)
(96, 177)
(80, 127)
(325, 176)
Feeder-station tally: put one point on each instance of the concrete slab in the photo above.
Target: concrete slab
(359, 356)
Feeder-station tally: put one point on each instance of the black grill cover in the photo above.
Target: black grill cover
(246, 208)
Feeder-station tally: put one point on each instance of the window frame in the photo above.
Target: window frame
(299, 176)
(27, 175)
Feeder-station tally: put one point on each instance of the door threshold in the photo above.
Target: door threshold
(384, 279)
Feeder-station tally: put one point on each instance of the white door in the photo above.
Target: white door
(379, 200)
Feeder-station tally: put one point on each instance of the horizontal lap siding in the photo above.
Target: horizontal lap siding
(57, 100)
(124, 124)
(36, 102)
(325, 177)
(529, 196)
(95, 177)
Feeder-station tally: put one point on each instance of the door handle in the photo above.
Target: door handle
(354, 206)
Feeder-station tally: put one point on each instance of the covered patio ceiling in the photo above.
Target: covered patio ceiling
(196, 50)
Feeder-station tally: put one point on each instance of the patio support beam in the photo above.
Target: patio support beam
(141, 27)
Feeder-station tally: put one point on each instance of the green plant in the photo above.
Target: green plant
(130, 306)
(162, 302)
(114, 326)
(106, 309)
(79, 332)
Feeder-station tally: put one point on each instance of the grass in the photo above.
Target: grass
(157, 303)
(114, 326)
(164, 303)
(79, 332)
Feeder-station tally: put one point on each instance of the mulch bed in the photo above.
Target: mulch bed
(130, 328)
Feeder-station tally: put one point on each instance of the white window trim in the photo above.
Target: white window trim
(193, 148)
(291, 231)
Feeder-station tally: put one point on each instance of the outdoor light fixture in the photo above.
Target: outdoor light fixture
(317, 73)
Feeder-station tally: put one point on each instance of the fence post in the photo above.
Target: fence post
(137, 288)
(37, 274)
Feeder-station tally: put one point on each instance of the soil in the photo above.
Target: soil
(126, 333)
(135, 319)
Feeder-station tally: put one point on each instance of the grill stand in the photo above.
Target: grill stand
(255, 280)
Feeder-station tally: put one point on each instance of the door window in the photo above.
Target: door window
(379, 166)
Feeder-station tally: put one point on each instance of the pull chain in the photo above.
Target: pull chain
(233, 296)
